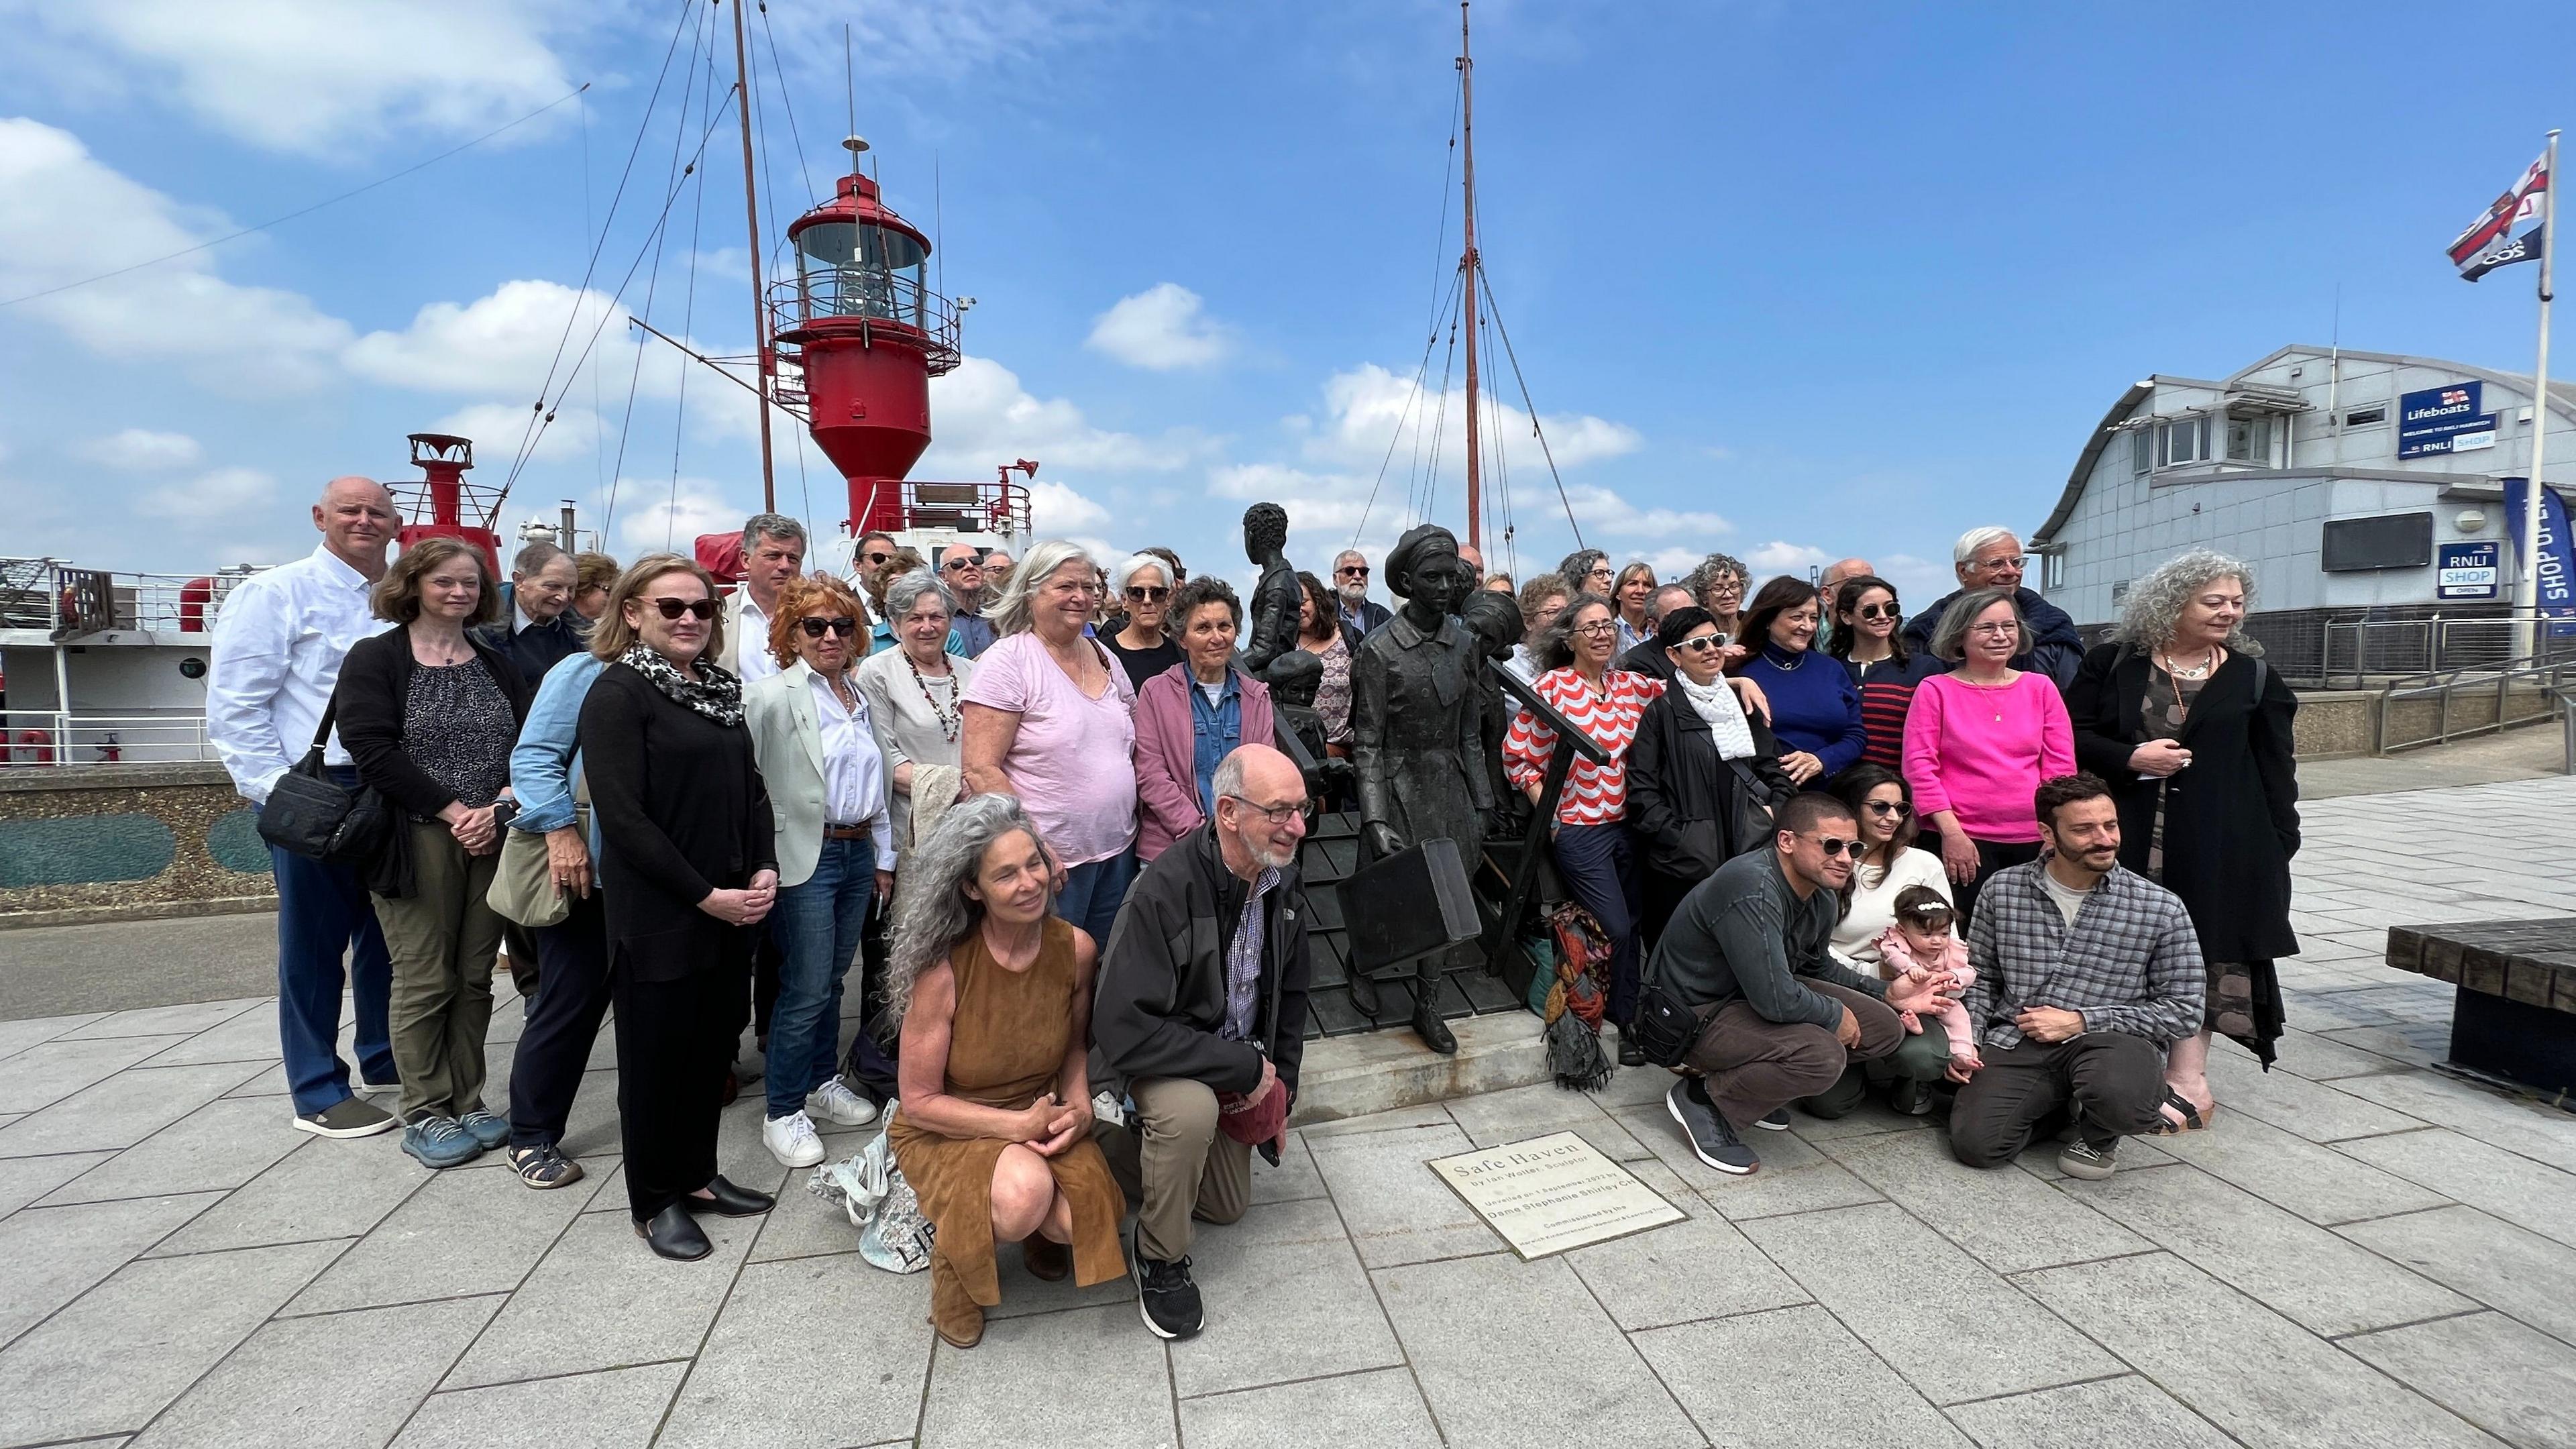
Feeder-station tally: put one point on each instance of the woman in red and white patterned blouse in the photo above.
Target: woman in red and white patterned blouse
(1592, 849)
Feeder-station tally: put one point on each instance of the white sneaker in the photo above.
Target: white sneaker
(792, 1141)
(834, 1102)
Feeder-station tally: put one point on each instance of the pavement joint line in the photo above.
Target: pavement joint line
(1323, 1378)
(2125, 1373)
(579, 1373)
(2338, 1338)
(281, 1315)
(1629, 1342)
(226, 1356)
(698, 1354)
(1377, 1295)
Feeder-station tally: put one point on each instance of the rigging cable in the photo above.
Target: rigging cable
(652, 290)
(1420, 371)
(688, 315)
(1536, 431)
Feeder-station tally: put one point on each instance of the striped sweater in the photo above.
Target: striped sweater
(1594, 794)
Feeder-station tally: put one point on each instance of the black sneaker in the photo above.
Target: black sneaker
(2091, 1161)
(1911, 1097)
(1166, 1298)
(1777, 1121)
(1711, 1139)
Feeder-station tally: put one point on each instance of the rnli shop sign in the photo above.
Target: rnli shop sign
(2469, 571)
(2451, 418)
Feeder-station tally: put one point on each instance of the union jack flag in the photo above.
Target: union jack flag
(2511, 229)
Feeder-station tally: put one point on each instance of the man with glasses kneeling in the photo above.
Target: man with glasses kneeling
(1780, 1018)
(1199, 1020)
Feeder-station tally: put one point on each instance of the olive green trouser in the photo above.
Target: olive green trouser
(442, 938)
(1923, 1056)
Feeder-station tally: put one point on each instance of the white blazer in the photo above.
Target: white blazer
(787, 742)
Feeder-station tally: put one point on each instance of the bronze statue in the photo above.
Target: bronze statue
(1417, 733)
(1494, 621)
(1270, 612)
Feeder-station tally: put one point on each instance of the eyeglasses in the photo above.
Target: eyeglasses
(1995, 630)
(1275, 814)
(1147, 593)
(1833, 847)
(1897, 808)
(841, 624)
(961, 565)
(694, 608)
(2008, 561)
(1351, 571)
(1878, 611)
(1702, 643)
(1597, 629)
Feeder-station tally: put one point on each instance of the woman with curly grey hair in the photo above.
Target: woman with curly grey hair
(2179, 712)
(992, 991)
(1718, 583)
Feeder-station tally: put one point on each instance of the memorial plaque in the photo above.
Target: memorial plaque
(1552, 1193)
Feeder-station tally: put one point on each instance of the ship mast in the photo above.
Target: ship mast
(1470, 267)
(759, 309)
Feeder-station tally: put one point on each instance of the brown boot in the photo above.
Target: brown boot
(1048, 1260)
(958, 1319)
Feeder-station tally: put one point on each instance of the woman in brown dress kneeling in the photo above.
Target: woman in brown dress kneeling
(993, 991)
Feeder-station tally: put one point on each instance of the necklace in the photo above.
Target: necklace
(2198, 671)
(949, 716)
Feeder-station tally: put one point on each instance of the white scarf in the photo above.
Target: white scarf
(1716, 703)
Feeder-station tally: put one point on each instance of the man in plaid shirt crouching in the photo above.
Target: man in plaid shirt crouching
(2085, 972)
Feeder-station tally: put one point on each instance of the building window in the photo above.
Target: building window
(2052, 572)
(2182, 440)
(2389, 541)
(2142, 451)
(2119, 591)
(2368, 417)
(2249, 440)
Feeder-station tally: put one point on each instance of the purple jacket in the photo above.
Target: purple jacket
(1167, 754)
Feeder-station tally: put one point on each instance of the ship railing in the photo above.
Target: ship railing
(837, 295)
(71, 602)
(996, 508)
(35, 738)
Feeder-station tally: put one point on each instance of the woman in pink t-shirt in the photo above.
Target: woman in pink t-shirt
(1049, 718)
(1979, 739)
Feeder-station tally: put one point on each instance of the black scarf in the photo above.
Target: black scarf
(718, 696)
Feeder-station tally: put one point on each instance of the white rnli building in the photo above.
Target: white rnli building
(2358, 485)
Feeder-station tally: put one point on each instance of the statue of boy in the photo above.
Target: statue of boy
(1270, 614)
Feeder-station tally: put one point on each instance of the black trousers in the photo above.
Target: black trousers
(554, 1047)
(675, 1041)
(2112, 1082)
(1663, 892)
(1992, 856)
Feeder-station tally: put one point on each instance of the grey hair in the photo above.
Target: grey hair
(1555, 646)
(1127, 567)
(1578, 565)
(1011, 614)
(1229, 775)
(933, 912)
(1655, 601)
(2154, 603)
(1710, 567)
(1949, 640)
(1349, 553)
(532, 560)
(1977, 538)
(771, 525)
(908, 590)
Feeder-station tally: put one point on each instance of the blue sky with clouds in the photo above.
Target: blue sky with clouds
(1791, 281)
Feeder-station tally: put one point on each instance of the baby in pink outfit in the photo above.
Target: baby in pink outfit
(1920, 946)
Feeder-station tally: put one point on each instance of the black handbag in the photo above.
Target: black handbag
(308, 813)
(1751, 828)
(1663, 1028)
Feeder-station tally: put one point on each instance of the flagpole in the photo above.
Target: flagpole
(2527, 589)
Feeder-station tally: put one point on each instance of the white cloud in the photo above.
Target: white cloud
(1056, 510)
(497, 429)
(1368, 407)
(219, 494)
(950, 39)
(1776, 557)
(141, 450)
(656, 514)
(59, 204)
(1164, 328)
(498, 345)
(1600, 510)
(983, 417)
(311, 76)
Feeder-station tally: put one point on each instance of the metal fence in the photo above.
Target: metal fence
(37, 738)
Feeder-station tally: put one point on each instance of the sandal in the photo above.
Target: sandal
(2192, 1120)
(544, 1167)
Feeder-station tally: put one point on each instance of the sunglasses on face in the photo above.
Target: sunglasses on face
(1702, 643)
(1897, 808)
(694, 608)
(841, 624)
(1878, 611)
(1351, 571)
(1833, 847)
(961, 565)
(879, 557)
(1147, 593)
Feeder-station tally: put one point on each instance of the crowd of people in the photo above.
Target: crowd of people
(1051, 808)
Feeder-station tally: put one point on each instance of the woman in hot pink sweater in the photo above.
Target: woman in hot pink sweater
(1979, 739)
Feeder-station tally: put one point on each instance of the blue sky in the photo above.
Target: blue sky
(1791, 281)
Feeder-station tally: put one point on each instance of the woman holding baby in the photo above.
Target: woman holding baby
(1870, 938)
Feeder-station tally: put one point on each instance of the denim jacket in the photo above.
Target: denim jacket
(543, 763)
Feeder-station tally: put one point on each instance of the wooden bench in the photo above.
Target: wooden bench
(2516, 1013)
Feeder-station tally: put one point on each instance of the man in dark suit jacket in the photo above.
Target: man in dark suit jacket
(537, 629)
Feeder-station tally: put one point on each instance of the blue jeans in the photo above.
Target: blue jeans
(1093, 893)
(323, 914)
(817, 929)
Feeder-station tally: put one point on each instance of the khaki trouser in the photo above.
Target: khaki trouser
(1174, 1163)
(442, 939)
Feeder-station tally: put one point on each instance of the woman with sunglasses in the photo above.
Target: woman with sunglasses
(1142, 585)
(815, 740)
(1696, 756)
(1979, 739)
(1884, 865)
(689, 873)
(1869, 639)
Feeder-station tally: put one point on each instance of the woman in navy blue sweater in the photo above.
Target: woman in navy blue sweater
(1815, 710)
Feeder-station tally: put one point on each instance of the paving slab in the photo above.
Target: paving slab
(120, 1111)
(1381, 1409)
(1795, 1177)
(347, 1381)
(1285, 1298)
(50, 1256)
(1535, 1111)
(2290, 1265)
(1294, 1178)
(2514, 1382)
(248, 1037)
(817, 1353)
(1398, 1210)
(414, 1253)
(2006, 1220)
(2325, 1059)
(1791, 1379)
(218, 1147)
(611, 1409)
(109, 1362)
(2314, 1110)
(2243, 1367)
(332, 1188)
(1511, 1353)
(2496, 1263)
(2318, 1183)
(982, 1396)
(17, 1036)
(1701, 1267)
(1870, 1118)
(186, 1019)
(1951, 1326)
(2086, 1416)
(553, 1324)
(47, 1072)
(2490, 1179)
(2542, 1133)
(25, 1179)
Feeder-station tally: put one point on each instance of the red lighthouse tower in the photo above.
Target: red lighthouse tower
(858, 335)
(436, 501)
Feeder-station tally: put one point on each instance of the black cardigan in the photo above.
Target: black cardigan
(682, 811)
(370, 699)
(1681, 796)
(2231, 816)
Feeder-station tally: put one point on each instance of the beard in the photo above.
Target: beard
(1351, 593)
